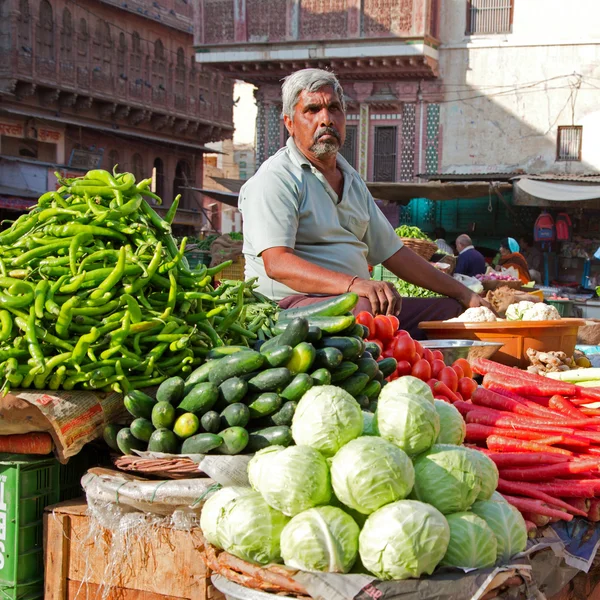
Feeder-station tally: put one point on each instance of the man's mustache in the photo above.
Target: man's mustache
(328, 131)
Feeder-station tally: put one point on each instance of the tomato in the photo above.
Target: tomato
(403, 368)
(465, 366)
(437, 355)
(431, 383)
(394, 321)
(383, 328)
(459, 396)
(418, 347)
(415, 359)
(458, 370)
(449, 377)
(428, 355)
(404, 348)
(403, 332)
(388, 353)
(466, 387)
(366, 318)
(421, 370)
(442, 398)
(436, 366)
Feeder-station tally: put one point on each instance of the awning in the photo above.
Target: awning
(558, 192)
(229, 198)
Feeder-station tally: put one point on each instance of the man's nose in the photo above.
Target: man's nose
(326, 120)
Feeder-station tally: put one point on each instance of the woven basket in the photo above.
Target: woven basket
(175, 468)
(448, 259)
(234, 271)
(423, 248)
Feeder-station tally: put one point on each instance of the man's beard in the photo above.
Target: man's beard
(324, 149)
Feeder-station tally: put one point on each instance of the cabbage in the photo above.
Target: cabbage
(408, 421)
(212, 509)
(487, 471)
(497, 497)
(250, 529)
(370, 472)
(508, 526)
(452, 426)
(326, 418)
(404, 539)
(472, 544)
(411, 385)
(320, 539)
(369, 425)
(290, 479)
(446, 477)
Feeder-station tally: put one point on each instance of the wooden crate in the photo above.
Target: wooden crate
(165, 566)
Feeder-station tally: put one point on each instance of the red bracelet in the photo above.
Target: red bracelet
(351, 282)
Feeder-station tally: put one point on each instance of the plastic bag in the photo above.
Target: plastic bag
(473, 284)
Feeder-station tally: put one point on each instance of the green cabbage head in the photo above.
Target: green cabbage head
(472, 544)
(370, 472)
(369, 425)
(326, 418)
(320, 539)
(292, 479)
(508, 526)
(447, 478)
(411, 385)
(452, 426)
(404, 539)
(406, 420)
(488, 473)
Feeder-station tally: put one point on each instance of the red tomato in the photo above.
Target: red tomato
(437, 354)
(418, 347)
(383, 328)
(428, 355)
(431, 383)
(404, 348)
(388, 353)
(403, 332)
(442, 398)
(465, 366)
(421, 370)
(466, 387)
(394, 321)
(403, 368)
(366, 318)
(459, 396)
(436, 367)
(415, 359)
(458, 370)
(449, 377)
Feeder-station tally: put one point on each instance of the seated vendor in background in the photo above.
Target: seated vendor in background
(312, 228)
(470, 261)
(534, 257)
(511, 257)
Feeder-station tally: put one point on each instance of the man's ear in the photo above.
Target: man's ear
(289, 125)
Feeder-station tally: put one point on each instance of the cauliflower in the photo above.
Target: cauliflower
(480, 314)
(541, 312)
(515, 311)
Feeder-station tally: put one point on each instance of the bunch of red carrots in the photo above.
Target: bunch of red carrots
(543, 439)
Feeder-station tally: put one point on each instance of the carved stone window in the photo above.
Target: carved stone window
(136, 58)
(98, 42)
(137, 166)
(66, 36)
(45, 32)
(113, 159)
(107, 53)
(180, 75)
(24, 27)
(83, 38)
(159, 71)
(121, 53)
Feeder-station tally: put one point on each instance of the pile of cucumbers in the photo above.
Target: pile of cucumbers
(242, 400)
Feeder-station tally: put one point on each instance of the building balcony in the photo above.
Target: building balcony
(261, 41)
(183, 216)
(172, 13)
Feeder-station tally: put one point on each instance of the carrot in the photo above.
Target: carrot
(562, 488)
(532, 531)
(594, 512)
(525, 387)
(565, 407)
(483, 366)
(525, 459)
(490, 399)
(487, 417)
(580, 504)
(510, 487)
(499, 444)
(548, 471)
(480, 433)
(27, 443)
(465, 407)
(537, 507)
(589, 412)
(526, 402)
(439, 387)
(581, 392)
(556, 440)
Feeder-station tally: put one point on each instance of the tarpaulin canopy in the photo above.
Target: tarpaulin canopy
(558, 192)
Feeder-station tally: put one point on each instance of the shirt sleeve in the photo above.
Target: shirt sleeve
(460, 264)
(269, 204)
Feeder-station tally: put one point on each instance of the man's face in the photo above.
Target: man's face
(319, 123)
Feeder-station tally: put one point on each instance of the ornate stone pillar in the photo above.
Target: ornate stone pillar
(260, 128)
(362, 92)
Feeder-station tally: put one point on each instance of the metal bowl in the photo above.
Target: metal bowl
(453, 349)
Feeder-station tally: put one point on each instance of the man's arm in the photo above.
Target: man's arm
(460, 264)
(409, 266)
(305, 277)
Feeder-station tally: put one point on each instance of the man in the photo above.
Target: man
(311, 227)
(534, 257)
(470, 261)
(441, 243)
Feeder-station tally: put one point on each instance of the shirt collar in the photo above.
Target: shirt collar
(302, 161)
(467, 248)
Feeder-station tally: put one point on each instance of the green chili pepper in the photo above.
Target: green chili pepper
(154, 217)
(214, 270)
(176, 259)
(57, 378)
(71, 229)
(142, 282)
(173, 210)
(32, 342)
(39, 380)
(83, 344)
(18, 229)
(41, 289)
(172, 299)
(76, 242)
(65, 316)
(74, 285)
(24, 258)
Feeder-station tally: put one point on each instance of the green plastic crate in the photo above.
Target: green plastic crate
(380, 273)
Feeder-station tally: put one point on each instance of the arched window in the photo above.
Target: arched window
(183, 180)
(113, 159)
(159, 71)
(135, 62)
(121, 52)
(137, 166)
(98, 42)
(83, 38)
(159, 51)
(66, 35)
(45, 37)
(24, 27)
(158, 177)
(107, 52)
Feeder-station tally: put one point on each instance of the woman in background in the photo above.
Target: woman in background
(510, 256)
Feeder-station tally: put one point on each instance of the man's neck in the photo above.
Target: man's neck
(326, 164)
(467, 248)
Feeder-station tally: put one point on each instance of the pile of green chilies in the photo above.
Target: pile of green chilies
(95, 293)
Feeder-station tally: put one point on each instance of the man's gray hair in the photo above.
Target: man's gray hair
(464, 240)
(310, 80)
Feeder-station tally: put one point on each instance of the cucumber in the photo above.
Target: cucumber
(200, 375)
(355, 384)
(363, 401)
(365, 332)
(211, 421)
(126, 441)
(345, 370)
(266, 404)
(258, 344)
(332, 307)
(294, 333)
(328, 358)
(186, 426)
(277, 355)
(272, 343)
(171, 390)
(235, 440)
(138, 404)
(233, 390)
(372, 389)
(163, 440)
(271, 380)
(235, 365)
(163, 415)
(314, 334)
(325, 324)
(373, 406)
(221, 351)
(200, 399)
(303, 356)
(379, 376)
(109, 433)
(374, 349)
(368, 366)
(235, 415)
(142, 429)
(321, 377)
(356, 330)
(387, 366)
(201, 443)
(270, 436)
(285, 414)
(351, 347)
(297, 388)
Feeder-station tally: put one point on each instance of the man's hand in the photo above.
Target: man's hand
(473, 300)
(384, 298)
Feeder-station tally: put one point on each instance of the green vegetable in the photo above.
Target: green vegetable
(266, 404)
(406, 231)
(369, 424)
(186, 426)
(235, 439)
(350, 347)
(297, 387)
(200, 399)
(240, 363)
(126, 441)
(487, 472)
(472, 543)
(139, 404)
(332, 307)
(235, 415)
(355, 384)
(321, 377)
(285, 414)
(279, 435)
(211, 421)
(141, 429)
(110, 433)
(278, 355)
(271, 380)
(327, 324)
(452, 426)
(163, 440)
(163, 415)
(233, 390)
(409, 290)
(201, 443)
(412, 385)
(303, 356)
(294, 333)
